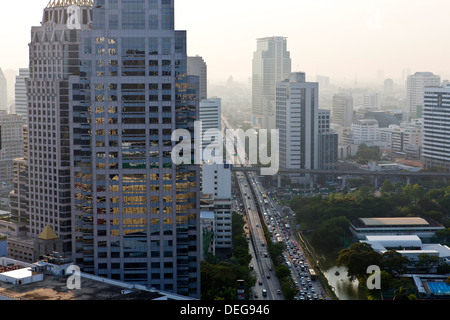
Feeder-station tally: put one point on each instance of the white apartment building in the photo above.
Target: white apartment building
(372, 101)
(216, 190)
(365, 130)
(436, 135)
(415, 91)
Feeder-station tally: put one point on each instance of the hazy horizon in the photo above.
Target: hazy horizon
(340, 39)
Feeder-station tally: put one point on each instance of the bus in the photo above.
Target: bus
(312, 274)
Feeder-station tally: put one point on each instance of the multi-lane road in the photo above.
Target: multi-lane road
(268, 286)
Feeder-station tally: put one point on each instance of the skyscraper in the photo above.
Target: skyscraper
(21, 105)
(436, 138)
(297, 119)
(211, 118)
(3, 93)
(415, 89)
(271, 64)
(54, 57)
(135, 213)
(196, 66)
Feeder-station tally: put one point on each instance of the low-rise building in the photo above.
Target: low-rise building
(422, 227)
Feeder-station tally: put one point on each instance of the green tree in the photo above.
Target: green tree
(357, 259)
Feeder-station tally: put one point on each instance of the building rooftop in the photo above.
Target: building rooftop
(385, 222)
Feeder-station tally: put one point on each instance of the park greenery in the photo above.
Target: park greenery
(326, 220)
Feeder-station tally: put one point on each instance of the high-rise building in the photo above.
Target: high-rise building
(365, 131)
(3, 93)
(297, 116)
(415, 89)
(54, 57)
(11, 126)
(21, 103)
(271, 64)
(211, 120)
(436, 137)
(342, 110)
(135, 213)
(196, 66)
(328, 142)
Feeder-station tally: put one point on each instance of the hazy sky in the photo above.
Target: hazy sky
(338, 38)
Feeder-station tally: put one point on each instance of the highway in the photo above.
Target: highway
(261, 261)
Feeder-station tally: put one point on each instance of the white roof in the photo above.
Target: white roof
(19, 274)
(394, 241)
(385, 222)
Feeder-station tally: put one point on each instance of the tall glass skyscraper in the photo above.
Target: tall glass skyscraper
(135, 213)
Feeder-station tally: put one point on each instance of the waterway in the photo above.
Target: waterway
(343, 287)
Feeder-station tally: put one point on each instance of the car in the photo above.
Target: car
(302, 297)
(313, 290)
(255, 295)
(260, 282)
(268, 276)
(278, 292)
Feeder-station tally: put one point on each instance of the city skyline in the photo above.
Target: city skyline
(341, 40)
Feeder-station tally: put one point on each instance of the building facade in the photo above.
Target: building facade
(136, 214)
(196, 66)
(436, 137)
(271, 64)
(297, 118)
(210, 116)
(415, 91)
(342, 110)
(12, 144)
(21, 100)
(3, 93)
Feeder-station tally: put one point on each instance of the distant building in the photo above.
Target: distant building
(388, 87)
(211, 119)
(271, 64)
(3, 93)
(328, 142)
(21, 103)
(365, 130)
(372, 101)
(415, 91)
(196, 66)
(11, 126)
(342, 110)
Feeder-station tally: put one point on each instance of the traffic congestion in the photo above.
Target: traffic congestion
(277, 218)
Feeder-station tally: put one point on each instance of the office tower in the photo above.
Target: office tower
(271, 64)
(196, 66)
(342, 110)
(3, 93)
(414, 91)
(297, 115)
(11, 126)
(54, 57)
(328, 142)
(211, 119)
(21, 105)
(436, 138)
(135, 212)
